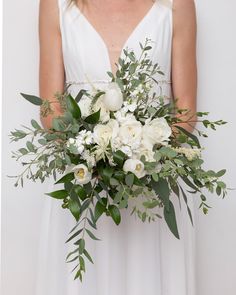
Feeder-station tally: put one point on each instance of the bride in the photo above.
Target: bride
(80, 40)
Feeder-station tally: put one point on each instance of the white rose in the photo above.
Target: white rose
(85, 106)
(156, 131)
(130, 133)
(104, 133)
(82, 175)
(104, 112)
(135, 166)
(113, 98)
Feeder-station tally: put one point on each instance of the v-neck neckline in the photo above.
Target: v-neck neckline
(131, 34)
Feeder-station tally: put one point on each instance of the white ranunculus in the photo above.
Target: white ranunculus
(130, 133)
(104, 112)
(85, 106)
(82, 174)
(156, 131)
(104, 133)
(135, 166)
(113, 98)
(146, 149)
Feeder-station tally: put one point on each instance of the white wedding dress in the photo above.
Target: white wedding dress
(134, 258)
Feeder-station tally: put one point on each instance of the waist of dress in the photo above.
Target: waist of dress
(105, 82)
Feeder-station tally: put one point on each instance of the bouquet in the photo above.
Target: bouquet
(115, 144)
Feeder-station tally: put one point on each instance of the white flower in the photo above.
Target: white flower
(104, 133)
(130, 132)
(126, 150)
(84, 137)
(89, 158)
(113, 98)
(135, 166)
(189, 153)
(82, 175)
(122, 115)
(75, 146)
(85, 106)
(129, 106)
(156, 131)
(146, 150)
(104, 112)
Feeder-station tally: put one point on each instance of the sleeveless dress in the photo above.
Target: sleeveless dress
(134, 258)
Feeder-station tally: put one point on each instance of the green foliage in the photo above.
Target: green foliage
(46, 154)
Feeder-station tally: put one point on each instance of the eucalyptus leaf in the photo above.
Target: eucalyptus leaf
(170, 218)
(162, 189)
(60, 194)
(115, 214)
(33, 99)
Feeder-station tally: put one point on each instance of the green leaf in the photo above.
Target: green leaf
(99, 210)
(81, 192)
(23, 151)
(155, 177)
(221, 173)
(66, 178)
(33, 99)
(81, 246)
(107, 173)
(74, 235)
(88, 256)
(73, 107)
(30, 146)
(80, 95)
(169, 215)
(92, 236)
(186, 201)
(115, 213)
(57, 124)
(190, 135)
(114, 181)
(119, 158)
(35, 124)
(151, 204)
(161, 188)
(129, 179)
(74, 209)
(93, 118)
(189, 183)
(60, 194)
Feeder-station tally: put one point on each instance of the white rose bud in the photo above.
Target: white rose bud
(156, 131)
(82, 175)
(113, 98)
(134, 166)
(85, 106)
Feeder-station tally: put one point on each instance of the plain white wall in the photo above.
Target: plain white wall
(216, 235)
(21, 209)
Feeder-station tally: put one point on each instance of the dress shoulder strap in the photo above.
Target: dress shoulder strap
(167, 3)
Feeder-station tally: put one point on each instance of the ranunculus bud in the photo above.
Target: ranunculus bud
(113, 98)
(134, 166)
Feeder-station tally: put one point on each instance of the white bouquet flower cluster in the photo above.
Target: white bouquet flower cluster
(118, 144)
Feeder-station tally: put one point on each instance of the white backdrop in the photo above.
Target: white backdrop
(21, 209)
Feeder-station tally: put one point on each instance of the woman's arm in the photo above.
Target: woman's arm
(184, 68)
(51, 67)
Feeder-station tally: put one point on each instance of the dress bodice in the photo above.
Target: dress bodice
(86, 56)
